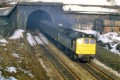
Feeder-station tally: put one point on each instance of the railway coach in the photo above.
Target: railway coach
(79, 45)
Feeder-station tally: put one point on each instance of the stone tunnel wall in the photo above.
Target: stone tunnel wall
(23, 12)
(17, 17)
(8, 23)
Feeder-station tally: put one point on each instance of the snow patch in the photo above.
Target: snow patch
(2, 78)
(16, 55)
(43, 38)
(9, 78)
(11, 69)
(38, 40)
(87, 2)
(12, 78)
(17, 34)
(112, 38)
(26, 72)
(31, 39)
(109, 37)
(3, 41)
(114, 48)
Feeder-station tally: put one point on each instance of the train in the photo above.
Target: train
(78, 45)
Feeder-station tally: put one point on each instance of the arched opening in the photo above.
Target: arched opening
(34, 18)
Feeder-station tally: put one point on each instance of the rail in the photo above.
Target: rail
(95, 71)
(62, 68)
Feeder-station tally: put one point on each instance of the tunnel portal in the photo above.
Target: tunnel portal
(34, 18)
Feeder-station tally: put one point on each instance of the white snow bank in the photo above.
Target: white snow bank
(87, 2)
(12, 78)
(114, 48)
(11, 69)
(116, 39)
(9, 78)
(4, 41)
(109, 37)
(38, 40)
(43, 38)
(26, 72)
(31, 39)
(88, 9)
(17, 34)
(13, 3)
(16, 55)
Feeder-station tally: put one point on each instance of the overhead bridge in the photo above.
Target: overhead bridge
(27, 15)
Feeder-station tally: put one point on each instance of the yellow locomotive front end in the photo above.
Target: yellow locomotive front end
(85, 47)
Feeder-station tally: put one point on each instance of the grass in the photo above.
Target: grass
(27, 65)
(108, 58)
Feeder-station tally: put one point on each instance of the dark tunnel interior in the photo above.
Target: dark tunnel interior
(34, 18)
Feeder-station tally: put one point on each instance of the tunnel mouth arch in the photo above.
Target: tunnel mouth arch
(34, 18)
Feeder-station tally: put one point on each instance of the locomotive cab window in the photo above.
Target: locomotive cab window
(86, 40)
(92, 41)
(80, 41)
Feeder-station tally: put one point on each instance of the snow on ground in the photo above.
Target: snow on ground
(109, 37)
(6, 12)
(4, 8)
(38, 40)
(26, 72)
(114, 48)
(84, 9)
(85, 2)
(43, 38)
(16, 55)
(87, 9)
(3, 42)
(12, 78)
(112, 38)
(88, 2)
(8, 78)
(17, 34)
(11, 69)
(31, 39)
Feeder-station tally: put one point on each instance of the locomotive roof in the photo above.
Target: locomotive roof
(74, 34)
(68, 31)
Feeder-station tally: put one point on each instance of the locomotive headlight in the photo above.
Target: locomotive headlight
(83, 35)
(80, 41)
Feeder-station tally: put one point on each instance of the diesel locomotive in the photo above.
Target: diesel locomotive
(79, 45)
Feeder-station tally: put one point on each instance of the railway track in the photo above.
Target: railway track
(95, 71)
(63, 69)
